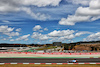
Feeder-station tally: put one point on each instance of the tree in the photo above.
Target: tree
(66, 47)
(72, 46)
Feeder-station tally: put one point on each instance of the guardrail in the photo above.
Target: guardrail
(54, 53)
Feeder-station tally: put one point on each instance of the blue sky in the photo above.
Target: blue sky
(47, 21)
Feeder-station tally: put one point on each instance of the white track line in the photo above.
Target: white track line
(13, 63)
(2, 63)
(48, 63)
(37, 63)
(92, 63)
(25, 63)
(80, 63)
(59, 63)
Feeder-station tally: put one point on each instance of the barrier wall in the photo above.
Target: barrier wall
(55, 53)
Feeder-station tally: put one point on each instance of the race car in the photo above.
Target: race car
(72, 61)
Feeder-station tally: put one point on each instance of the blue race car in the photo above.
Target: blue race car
(72, 61)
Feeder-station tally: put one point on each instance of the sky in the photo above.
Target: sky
(48, 21)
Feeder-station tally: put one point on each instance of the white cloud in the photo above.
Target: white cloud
(45, 29)
(86, 11)
(61, 33)
(93, 37)
(12, 34)
(64, 35)
(68, 37)
(39, 36)
(37, 28)
(71, 41)
(14, 5)
(12, 40)
(36, 35)
(4, 39)
(9, 22)
(95, 18)
(37, 16)
(83, 14)
(82, 2)
(10, 37)
(72, 19)
(22, 5)
(5, 29)
(62, 38)
(40, 30)
(24, 37)
(18, 30)
(6, 21)
(81, 33)
(43, 37)
(95, 4)
(8, 5)
(9, 31)
(40, 3)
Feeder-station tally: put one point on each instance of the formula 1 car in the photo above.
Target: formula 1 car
(72, 61)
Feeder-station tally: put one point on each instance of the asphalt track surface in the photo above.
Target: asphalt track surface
(48, 60)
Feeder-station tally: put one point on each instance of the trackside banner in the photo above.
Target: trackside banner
(55, 53)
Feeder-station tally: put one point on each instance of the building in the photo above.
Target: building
(2, 49)
(57, 43)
